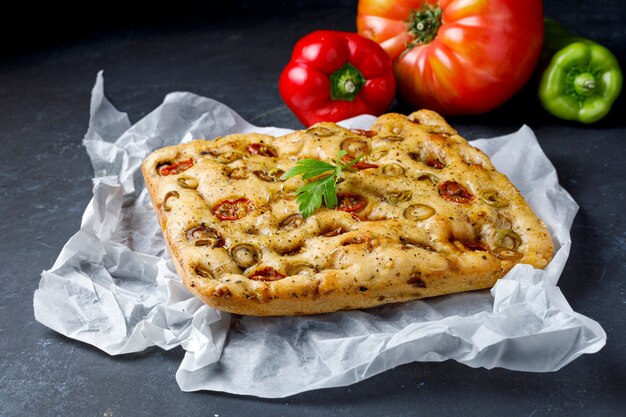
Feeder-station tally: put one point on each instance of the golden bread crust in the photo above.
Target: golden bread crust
(438, 219)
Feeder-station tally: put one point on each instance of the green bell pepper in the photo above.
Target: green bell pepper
(582, 79)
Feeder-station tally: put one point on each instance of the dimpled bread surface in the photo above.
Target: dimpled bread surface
(422, 214)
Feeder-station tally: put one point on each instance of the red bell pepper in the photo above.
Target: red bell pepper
(337, 75)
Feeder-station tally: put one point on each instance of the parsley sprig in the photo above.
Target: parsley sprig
(310, 196)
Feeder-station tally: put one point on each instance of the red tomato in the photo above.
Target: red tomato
(456, 56)
(177, 168)
(261, 149)
(232, 209)
(346, 159)
(455, 192)
(267, 273)
(350, 202)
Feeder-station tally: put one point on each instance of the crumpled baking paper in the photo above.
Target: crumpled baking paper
(113, 284)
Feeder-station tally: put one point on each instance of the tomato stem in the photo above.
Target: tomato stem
(424, 23)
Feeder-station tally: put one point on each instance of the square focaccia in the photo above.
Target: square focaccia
(422, 214)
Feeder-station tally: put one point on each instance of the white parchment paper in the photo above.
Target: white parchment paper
(113, 285)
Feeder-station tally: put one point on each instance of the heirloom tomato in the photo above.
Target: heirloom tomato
(456, 56)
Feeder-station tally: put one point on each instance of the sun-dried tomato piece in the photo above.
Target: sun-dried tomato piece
(455, 192)
(261, 149)
(232, 209)
(350, 202)
(177, 168)
(267, 273)
(366, 133)
(475, 245)
(427, 158)
(356, 217)
(434, 163)
(334, 232)
(346, 159)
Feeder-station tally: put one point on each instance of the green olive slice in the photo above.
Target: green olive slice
(378, 154)
(273, 175)
(355, 146)
(238, 173)
(188, 182)
(245, 255)
(204, 271)
(503, 222)
(168, 195)
(302, 268)
(392, 170)
(293, 221)
(398, 196)
(507, 254)
(418, 212)
(494, 199)
(422, 176)
(320, 131)
(204, 236)
(228, 157)
(507, 239)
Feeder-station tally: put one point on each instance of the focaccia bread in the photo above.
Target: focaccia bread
(422, 214)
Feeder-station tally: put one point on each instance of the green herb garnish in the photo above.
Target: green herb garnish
(310, 196)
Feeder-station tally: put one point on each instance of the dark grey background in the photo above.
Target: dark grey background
(234, 53)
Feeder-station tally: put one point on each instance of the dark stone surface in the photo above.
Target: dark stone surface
(235, 56)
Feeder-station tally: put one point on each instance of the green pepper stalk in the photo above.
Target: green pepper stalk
(582, 79)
